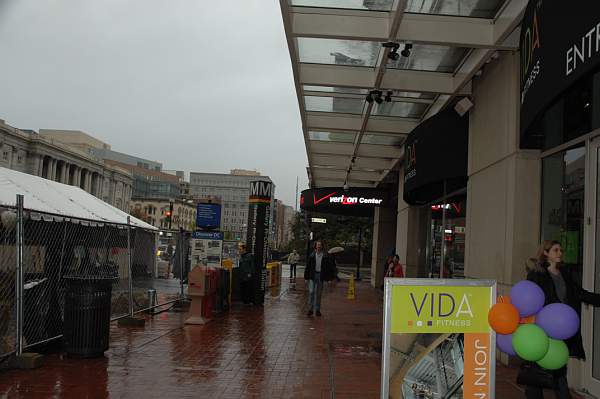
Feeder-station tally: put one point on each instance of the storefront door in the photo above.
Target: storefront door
(590, 315)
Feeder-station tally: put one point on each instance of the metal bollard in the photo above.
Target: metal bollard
(152, 300)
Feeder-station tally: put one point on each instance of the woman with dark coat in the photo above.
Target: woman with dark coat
(558, 285)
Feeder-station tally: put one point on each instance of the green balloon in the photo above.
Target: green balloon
(530, 342)
(556, 357)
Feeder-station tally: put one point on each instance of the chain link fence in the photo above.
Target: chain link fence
(53, 249)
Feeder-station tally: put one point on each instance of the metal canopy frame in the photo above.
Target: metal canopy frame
(340, 87)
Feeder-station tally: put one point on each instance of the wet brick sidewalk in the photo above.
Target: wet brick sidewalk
(274, 351)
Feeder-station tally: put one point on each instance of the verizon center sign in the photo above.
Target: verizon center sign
(360, 202)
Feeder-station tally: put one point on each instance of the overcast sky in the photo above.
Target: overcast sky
(202, 86)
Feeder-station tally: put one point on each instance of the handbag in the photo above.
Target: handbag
(533, 375)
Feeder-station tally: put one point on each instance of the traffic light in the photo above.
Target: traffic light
(169, 214)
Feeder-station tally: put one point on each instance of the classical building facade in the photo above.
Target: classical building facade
(155, 212)
(28, 152)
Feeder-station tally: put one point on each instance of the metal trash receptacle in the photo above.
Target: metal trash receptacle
(87, 315)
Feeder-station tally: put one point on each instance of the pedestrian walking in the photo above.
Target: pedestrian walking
(395, 269)
(246, 274)
(555, 279)
(293, 259)
(318, 269)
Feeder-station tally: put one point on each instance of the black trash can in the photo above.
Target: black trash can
(87, 315)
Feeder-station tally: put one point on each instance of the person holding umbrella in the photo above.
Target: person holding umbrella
(333, 251)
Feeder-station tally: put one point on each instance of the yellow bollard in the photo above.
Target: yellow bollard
(351, 289)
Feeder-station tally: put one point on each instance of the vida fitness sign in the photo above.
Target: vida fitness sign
(432, 322)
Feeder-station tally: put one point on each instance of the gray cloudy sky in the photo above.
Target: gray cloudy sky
(199, 85)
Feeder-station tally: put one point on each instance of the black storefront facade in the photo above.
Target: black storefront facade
(560, 116)
(435, 183)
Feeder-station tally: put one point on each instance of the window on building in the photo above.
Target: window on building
(563, 180)
(5, 155)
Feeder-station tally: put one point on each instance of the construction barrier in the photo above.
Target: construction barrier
(274, 274)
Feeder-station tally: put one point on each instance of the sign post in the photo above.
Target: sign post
(438, 326)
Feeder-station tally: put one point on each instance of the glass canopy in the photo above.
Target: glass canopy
(331, 89)
(338, 52)
(463, 8)
(382, 139)
(429, 57)
(339, 137)
(400, 109)
(373, 5)
(334, 104)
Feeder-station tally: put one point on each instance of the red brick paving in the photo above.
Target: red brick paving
(270, 352)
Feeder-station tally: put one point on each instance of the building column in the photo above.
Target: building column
(64, 173)
(88, 181)
(412, 227)
(35, 168)
(77, 176)
(384, 242)
(52, 168)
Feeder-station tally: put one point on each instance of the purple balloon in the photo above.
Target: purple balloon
(527, 297)
(504, 342)
(558, 320)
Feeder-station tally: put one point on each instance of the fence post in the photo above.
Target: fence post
(130, 288)
(182, 253)
(19, 276)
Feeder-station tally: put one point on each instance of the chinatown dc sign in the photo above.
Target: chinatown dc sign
(355, 201)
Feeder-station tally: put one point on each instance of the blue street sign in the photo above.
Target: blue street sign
(208, 216)
(208, 235)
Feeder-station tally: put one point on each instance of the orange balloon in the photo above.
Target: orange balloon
(503, 299)
(504, 318)
(527, 320)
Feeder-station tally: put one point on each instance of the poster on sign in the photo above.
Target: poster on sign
(437, 342)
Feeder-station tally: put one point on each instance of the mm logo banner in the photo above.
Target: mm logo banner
(440, 309)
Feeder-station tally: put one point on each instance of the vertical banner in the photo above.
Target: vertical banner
(259, 217)
(437, 341)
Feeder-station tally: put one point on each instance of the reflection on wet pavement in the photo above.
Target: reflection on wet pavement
(249, 352)
(270, 352)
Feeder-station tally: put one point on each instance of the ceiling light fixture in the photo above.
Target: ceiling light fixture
(406, 51)
(388, 96)
(393, 53)
(374, 95)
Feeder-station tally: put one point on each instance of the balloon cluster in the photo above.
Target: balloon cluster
(534, 332)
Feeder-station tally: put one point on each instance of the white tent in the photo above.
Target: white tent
(60, 200)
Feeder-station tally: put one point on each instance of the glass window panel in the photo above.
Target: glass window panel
(429, 57)
(408, 94)
(341, 137)
(329, 89)
(338, 52)
(464, 8)
(331, 104)
(563, 179)
(382, 139)
(400, 109)
(373, 5)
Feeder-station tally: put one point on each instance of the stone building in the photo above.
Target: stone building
(28, 152)
(154, 211)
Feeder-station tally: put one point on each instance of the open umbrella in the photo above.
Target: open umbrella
(335, 250)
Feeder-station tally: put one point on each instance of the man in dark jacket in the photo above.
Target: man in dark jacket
(319, 268)
(246, 274)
